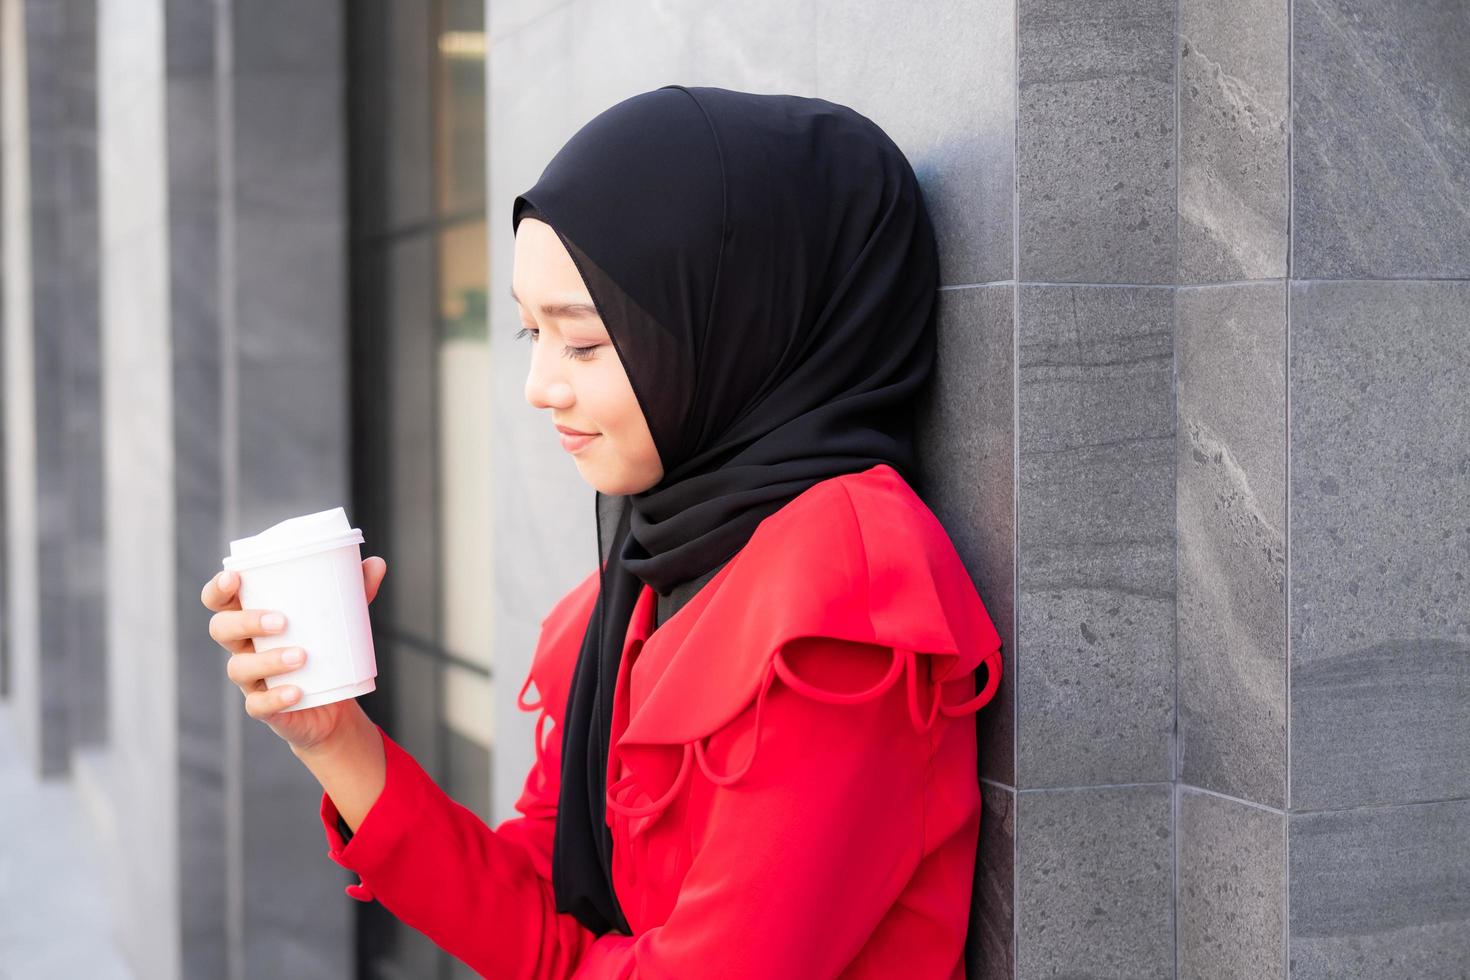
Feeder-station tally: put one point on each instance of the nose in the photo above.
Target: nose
(545, 387)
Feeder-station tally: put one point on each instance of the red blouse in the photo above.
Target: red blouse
(822, 826)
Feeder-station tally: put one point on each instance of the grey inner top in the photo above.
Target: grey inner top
(664, 605)
(667, 605)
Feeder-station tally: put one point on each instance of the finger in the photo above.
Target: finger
(230, 627)
(220, 592)
(373, 570)
(260, 705)
(244, 669)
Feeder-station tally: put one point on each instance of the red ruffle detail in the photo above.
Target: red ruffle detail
(904, 662)
(858, 558)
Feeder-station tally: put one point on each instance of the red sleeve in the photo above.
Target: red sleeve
(483, 895)
(804, 854)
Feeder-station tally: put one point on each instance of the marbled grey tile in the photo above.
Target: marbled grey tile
(966, 442)
(192, 152)
(292, 431)
(293, 920)
(188, 38)
(1095, 883)
(1381, 149)
(1232, 888)
(1233, 177)
(289, 134)
(947, 99)
(990, 952)
(1095, 166)
(1094, 659)
(290, 301)
(1231, 468)
(1381, 892)
(289, 37)
(1379, 609)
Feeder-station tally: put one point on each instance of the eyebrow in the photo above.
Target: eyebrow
(565, 311)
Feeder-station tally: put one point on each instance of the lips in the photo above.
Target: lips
(568, 431)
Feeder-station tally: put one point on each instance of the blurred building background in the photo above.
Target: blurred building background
(1199, 431)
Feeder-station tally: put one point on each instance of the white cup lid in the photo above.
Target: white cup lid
(296, 534)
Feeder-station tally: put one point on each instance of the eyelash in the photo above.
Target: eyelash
(576, 353)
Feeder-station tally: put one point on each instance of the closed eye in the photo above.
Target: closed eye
(576, 353)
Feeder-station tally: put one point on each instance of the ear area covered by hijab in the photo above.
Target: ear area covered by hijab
(768, 274)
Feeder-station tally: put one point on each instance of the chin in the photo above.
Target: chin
(617, 484)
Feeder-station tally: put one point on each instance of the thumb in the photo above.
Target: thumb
(373, 570)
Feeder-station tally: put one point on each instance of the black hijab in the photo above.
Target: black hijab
(768, 274)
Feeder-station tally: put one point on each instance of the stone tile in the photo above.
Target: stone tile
(289, 135)
(292, 429)
(1381, 892)
(1381, 152)
(289, 287)
(1231, 468)
(1095, 165)
(189, 27)
(966, 444)
(1232, 888)
(947, 99)
(1095, 883)
(289, 37)
(293, 920)
(990, 952)
(1233, 177)
(192, 150)
(1094, 660)
(1379, 542)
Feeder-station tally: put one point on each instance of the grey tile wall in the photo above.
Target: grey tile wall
(1322, 623)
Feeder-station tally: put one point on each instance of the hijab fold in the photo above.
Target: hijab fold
(767, 272)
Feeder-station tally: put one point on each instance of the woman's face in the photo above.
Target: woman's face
(575, 371)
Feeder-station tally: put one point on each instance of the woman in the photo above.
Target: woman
(760, 761)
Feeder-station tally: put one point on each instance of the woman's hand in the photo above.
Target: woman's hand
(237, 630)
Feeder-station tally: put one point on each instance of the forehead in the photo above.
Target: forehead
(544, 279)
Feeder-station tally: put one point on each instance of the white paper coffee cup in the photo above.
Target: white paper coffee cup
(309, 568)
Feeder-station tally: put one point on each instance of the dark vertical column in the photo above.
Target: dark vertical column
(81, 443)
(283, 263)
(54, 491)
(191, 151)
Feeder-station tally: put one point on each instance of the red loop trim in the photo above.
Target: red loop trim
(658, 804)
(699, 744)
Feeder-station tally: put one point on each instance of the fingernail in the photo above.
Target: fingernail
(292, 656)
(226, 579)
(273, 621)
(290, 694)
